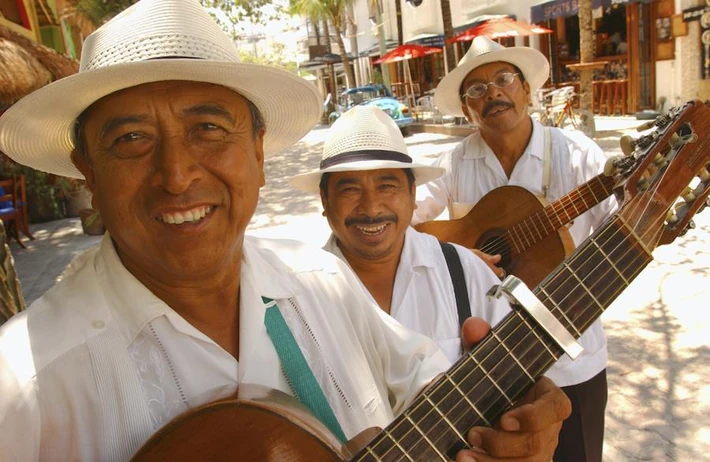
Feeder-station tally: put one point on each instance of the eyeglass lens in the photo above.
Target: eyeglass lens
(501, 80)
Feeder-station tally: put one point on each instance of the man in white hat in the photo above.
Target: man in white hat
(491, 87)
(177, 306)
(367, 183)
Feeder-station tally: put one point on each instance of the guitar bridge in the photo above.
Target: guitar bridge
(518, 294)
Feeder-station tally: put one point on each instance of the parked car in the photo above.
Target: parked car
(377, 95)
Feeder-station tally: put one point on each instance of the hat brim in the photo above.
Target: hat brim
(310, 182)
(37, 131)
(531, 62)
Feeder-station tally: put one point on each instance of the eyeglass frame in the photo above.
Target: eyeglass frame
(514, 74)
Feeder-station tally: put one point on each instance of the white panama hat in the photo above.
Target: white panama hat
(531, 62)
(364, 138)
(151, 41)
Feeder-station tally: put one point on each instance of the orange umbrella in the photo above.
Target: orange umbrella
(404, 52)
(499, 28)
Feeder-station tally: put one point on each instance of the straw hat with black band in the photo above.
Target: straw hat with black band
(151, 41)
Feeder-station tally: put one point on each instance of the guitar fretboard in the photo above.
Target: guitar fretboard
(539, 225)
(484, 383)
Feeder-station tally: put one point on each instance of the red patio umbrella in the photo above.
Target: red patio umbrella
(405, 53)
(499, 28)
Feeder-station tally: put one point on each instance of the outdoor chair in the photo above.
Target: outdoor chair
(9, 211)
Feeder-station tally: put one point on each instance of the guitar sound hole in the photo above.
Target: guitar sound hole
(494, 242)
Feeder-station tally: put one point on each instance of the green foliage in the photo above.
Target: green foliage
(228, 13)
(278, 58)
(100, 11)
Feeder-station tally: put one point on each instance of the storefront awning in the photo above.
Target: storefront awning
(427, 40)
(559, 9)
(480, 20)
(374, 50)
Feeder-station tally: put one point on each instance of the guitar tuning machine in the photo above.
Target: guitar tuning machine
(688, 227)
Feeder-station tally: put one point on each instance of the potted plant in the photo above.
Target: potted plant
(91, 222)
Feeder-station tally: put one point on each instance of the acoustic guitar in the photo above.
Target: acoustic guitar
(488, 380)
(530, 235)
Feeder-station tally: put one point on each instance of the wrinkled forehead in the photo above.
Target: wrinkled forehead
(486, 71)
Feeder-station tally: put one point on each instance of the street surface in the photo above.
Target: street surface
(658, 333)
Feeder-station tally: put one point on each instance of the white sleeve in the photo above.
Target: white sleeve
(19, 408)
(433, 197)
(408, 361)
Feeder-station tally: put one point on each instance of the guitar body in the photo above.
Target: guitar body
(260, 424)
(486, 227)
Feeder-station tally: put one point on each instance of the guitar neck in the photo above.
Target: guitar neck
(487, 381)
(539, 225)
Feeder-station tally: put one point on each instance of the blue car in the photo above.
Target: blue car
(377, 95)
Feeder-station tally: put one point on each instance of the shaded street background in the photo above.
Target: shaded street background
(659, 375)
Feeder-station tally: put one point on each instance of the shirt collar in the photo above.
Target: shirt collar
(476, 148)
(133, 306)
(416, 253)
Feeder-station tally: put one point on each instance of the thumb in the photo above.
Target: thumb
(473, 331)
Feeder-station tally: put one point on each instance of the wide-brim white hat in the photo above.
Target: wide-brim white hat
(153, 40)
(364, 138)
(532, 63)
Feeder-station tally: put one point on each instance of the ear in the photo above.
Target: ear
(259, 150)
(526, 88)
(84, 166)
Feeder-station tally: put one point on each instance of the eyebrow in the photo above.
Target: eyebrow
(209, 109)
(115, 122)
(498, 72)
(386, 177)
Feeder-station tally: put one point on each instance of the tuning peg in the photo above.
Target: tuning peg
(628, 145)
(642, 184)
(688, 227)
(671, 217)
(703, 174)
(688, 194)
(675, 141)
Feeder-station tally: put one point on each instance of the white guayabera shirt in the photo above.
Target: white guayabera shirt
(99, 363)
(473, 170)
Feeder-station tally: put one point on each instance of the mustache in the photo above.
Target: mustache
(493, 104)
(371, 220)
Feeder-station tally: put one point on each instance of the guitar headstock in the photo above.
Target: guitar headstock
(670, 181)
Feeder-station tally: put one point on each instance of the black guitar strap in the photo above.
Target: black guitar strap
(453, 261)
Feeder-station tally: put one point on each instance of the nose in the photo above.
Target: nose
(369, 204)
(176, 165)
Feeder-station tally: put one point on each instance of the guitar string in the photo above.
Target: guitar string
(498, 244)
(479, 367)
(614, 232)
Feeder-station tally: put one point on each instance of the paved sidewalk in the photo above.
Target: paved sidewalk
(658, 329)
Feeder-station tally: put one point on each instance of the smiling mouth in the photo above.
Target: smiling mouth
(189, 216)
(497, 110)
(373, 230)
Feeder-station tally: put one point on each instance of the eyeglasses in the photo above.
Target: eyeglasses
(502, 80)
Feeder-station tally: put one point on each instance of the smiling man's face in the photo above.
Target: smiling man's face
(499, 110)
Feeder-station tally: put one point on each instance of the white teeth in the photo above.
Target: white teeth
(371, 229)
(189, 216)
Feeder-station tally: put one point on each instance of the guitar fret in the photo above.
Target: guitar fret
(473, 406)
(586, 289)
(553, 226)
(591, 190)
(534, 332)
(525, 235)
(514, 229)
(557, 308)
(493, 381)
(396, 444)
(510, 353)
(582, 197)
(425, 438)
(446, 419)
(606, 257)
(631, 231)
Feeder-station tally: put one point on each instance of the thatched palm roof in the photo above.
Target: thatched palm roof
(26, 65)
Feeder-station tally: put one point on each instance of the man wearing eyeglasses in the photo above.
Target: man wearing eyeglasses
(491, 88)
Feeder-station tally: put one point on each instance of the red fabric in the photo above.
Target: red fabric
(23, 14)
(403, 52)
(499, 28)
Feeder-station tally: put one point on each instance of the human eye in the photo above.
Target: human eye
(127, 138)
(504, 79)
(476, 90)
(209, 131)
(131, 144)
